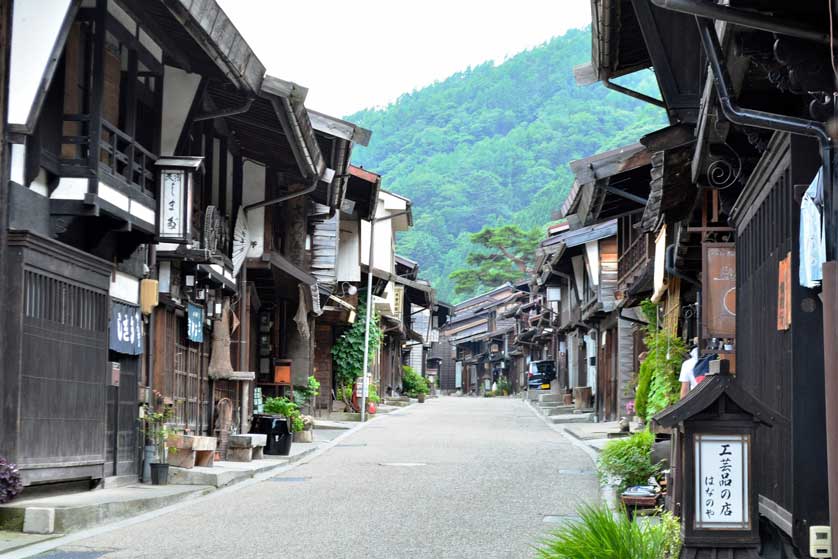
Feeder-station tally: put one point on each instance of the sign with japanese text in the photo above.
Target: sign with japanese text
(719, 294)
(126, 329)
(171, 205)
(784, 293)
(721, 482)
(195, 323)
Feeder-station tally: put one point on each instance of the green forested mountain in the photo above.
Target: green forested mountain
(491, 145)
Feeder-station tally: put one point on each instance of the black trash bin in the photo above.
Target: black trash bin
(278, 430)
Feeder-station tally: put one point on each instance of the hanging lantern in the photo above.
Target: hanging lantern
(177, 183)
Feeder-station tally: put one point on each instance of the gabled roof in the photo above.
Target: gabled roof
(707, 393)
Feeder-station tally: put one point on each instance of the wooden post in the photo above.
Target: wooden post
(830, 354)
(96, 94)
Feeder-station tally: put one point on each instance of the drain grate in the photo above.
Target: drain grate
(560, 518)
(74, 554)
(403, 464)
(572, 472)
(289, 479)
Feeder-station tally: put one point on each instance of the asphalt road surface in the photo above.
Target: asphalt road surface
(450, 478)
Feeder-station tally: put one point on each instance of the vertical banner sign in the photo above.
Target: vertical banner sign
(719, 297)
(721, 482)
(195, 323)
(126, 329)
(784, 293)
(171, 220)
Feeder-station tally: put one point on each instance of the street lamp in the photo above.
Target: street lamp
(373, 221)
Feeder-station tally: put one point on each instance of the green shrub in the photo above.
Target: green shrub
(302, 394)
(413, 383)
(628, 461)
(348, 350)
(503, 386)
(286, 408)
(600, 534)
(657, 384)
(373, 394)
(644, 380)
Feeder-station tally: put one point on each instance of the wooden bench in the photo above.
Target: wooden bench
(246, 448)
(188, 451)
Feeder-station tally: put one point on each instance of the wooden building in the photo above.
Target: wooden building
(747, 87)
(480, 335)
(158, 179)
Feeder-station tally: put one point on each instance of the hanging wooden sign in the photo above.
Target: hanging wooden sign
(784, 293)
(719, 290)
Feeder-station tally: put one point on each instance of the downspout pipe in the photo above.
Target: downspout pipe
(284, 198)
(760, 119)
(673, 271)
(750, 19)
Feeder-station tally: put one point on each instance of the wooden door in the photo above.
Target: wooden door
(323, 340)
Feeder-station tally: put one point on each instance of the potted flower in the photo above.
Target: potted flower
(306, 434)
(157, 433)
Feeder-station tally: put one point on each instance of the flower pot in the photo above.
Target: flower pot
(278, 430)
(421, 398)
(160, 474)
(306, 436)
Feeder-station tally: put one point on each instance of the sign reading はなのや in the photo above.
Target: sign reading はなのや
(721, 478)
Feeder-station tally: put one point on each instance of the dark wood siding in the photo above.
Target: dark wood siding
(783, 368)
(55, 372)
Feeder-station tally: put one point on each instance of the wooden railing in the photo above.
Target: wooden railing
(125, 158)
(637, 255)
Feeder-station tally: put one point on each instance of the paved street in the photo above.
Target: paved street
(454, 477)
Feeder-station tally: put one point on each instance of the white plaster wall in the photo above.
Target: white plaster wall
(16, 173)
(39, 184)
(229, 206)
(179, 90)
(349, 251)
(254, 191)
(384, 247)
(35, 28)
(70, 188)
(125, 288)
(216, 165)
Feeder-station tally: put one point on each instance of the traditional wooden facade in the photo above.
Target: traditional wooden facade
(728, 212)
(158, 179)
(90, 117)
(480, 335)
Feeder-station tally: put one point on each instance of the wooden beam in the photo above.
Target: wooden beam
(339, 128)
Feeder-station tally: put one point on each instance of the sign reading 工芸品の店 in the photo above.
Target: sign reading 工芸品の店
(195, 323)
(721, 477)
(126, 329)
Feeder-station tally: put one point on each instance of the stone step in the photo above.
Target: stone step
(78, 511)
(572, 418)
(550, 398)
(561, 410)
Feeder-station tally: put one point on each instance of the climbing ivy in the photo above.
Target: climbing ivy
(348, 351)
(657, 383)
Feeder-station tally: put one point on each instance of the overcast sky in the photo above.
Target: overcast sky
(354, 54)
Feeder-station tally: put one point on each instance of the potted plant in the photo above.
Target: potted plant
(157, 433)
(373, 399)
(283, 419)
(306, 434)
(10, 481)
(415, 385)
